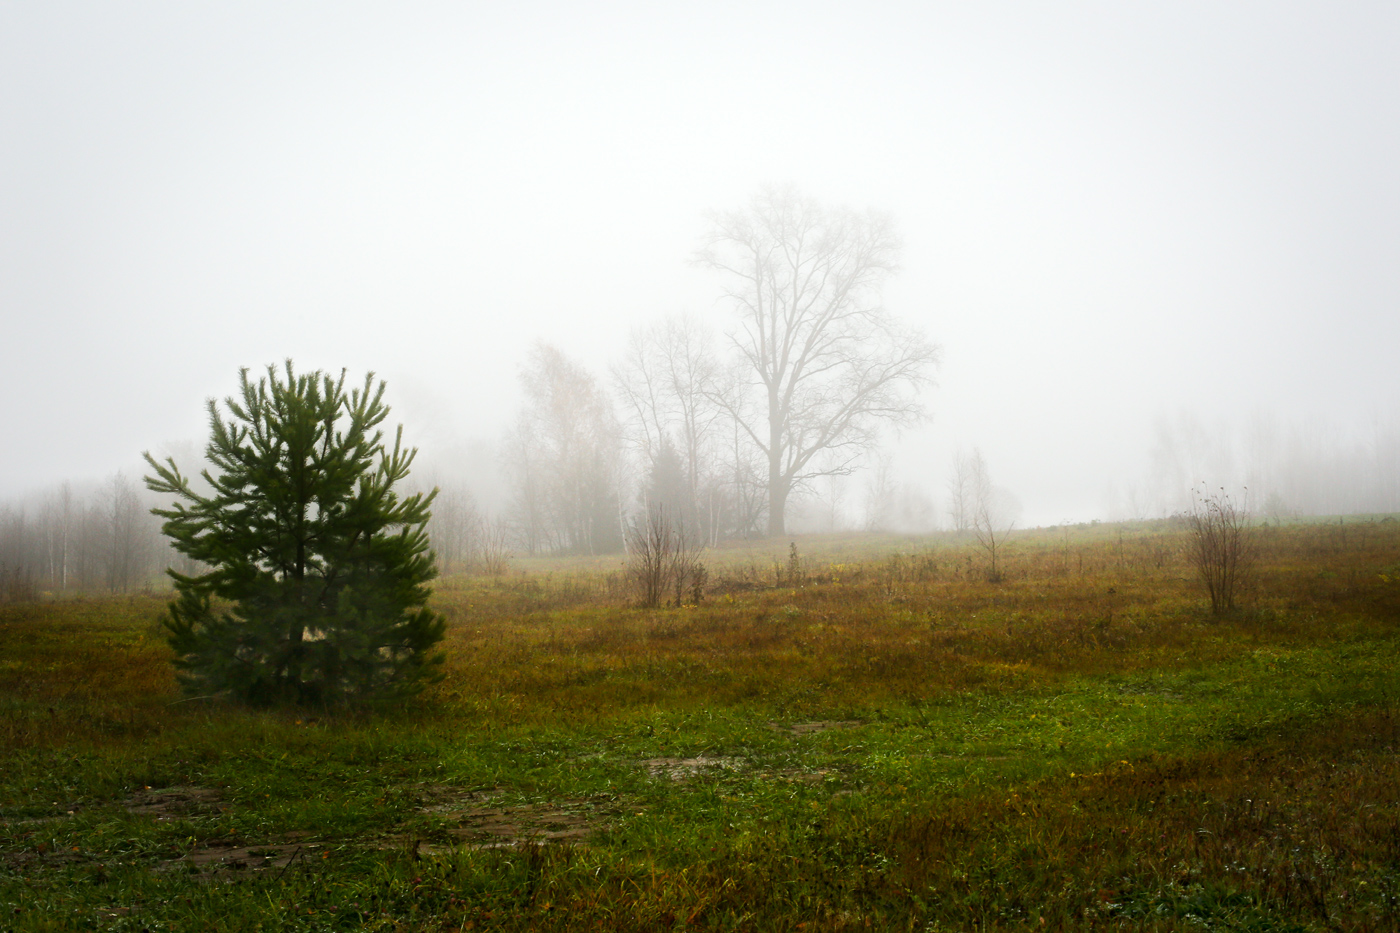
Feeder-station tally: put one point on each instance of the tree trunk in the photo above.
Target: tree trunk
(777, 484)
(777, 503)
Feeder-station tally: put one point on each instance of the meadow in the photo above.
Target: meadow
(858, 732)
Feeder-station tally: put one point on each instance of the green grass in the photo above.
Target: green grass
(1071, 748)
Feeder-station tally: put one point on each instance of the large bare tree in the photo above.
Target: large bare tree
(823, 365)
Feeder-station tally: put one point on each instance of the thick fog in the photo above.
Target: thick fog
(1156, 245)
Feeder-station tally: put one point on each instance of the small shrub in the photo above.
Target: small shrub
(794, 575)
(493, 549)
(665, 560)
(1221, 547)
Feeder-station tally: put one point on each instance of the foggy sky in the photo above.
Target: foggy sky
(1111, 212)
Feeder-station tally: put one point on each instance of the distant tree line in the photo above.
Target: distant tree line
(1288, 468)
(64, 541)
(717, 430)
(465, 539)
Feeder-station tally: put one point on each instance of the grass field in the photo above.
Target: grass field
(871, 738)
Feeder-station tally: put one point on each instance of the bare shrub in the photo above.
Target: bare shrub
(665, 559)
(688, 573)
(1221, 547)
(493, 547)
(649, 542)
(794, 574)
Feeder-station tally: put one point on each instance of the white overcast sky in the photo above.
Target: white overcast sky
(1112, 211)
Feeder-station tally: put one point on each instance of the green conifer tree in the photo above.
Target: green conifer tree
(317, 571)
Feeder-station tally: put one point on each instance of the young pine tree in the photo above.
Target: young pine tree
(317, 571)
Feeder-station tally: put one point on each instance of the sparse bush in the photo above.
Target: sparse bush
(665, 559)
(794, 575)
(493, 547)
(1221, 547)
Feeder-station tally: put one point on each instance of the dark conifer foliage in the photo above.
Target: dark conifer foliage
(667, 486)
(317, 570)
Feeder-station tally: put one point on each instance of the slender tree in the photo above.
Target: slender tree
(993, 511)
(961, 495)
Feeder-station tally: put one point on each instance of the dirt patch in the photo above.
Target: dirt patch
(681, 769)
(513, 825)
(43, 856)
(825, 725)
(444, 798)
(225, 859)
(1150, 689)
(168, 803)
(565, 822)
(37, 820)
(808, 777)
(162, 803)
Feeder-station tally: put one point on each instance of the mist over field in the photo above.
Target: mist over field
(1144, 249)
(731, 466)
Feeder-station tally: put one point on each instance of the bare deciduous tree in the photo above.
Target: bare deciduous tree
(126, 534)
(455, 529)
(880, 495)
(822, 364)
(58, 514)
(670, 383)
(665, 382)
(65, 541)
(961, 499)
